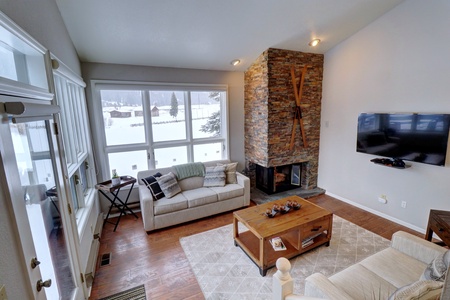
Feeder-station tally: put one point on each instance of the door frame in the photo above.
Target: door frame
(18, 212)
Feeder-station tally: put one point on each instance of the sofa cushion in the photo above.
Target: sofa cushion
(214, 176)
(437, 269)
(422, 289)
(169, 185)
(191, 183)
(230, 172)
(152, 184)
(394, 266)
(168, 205)
(200, 196)
(229, 191)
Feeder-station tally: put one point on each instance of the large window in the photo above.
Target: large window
(150, 126)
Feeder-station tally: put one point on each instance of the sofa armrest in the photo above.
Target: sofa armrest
(146, 200)
(244, 181)
(318, 285)
(415, 246)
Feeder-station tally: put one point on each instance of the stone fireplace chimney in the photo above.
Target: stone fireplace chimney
(270, 110)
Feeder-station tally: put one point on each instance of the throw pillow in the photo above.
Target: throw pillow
(437, 269)
(169, 185)
(214, 176)
(416, 290)
(230, 172)
(153, 186)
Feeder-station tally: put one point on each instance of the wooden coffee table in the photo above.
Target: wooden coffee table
(294, 227)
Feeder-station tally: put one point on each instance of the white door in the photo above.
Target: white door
(41, 211)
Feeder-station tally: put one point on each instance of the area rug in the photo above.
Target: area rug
(136, 293)
(224, 271)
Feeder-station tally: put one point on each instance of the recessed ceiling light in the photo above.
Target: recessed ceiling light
(235, 62)
(314, 42)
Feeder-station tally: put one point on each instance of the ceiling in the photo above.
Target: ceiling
(209, 34)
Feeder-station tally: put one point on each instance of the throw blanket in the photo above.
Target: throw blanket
(189, 170)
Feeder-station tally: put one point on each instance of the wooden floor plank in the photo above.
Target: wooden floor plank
(158, 261)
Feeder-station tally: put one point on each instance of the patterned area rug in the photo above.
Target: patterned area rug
(136, 293)
(224, 271)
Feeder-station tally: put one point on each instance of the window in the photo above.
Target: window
(149, 126)
(75, 133)
(21, 62)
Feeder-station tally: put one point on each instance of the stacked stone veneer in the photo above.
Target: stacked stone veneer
(270, 107)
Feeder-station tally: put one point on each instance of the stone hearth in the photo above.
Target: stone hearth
(270, 109)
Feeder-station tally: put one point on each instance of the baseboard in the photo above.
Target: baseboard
(390, 218)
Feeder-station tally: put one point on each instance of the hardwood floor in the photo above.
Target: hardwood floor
(158, 261)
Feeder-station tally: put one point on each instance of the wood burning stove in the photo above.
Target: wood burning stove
(278, 179)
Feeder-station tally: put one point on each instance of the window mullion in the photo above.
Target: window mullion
(188, 117)
(147, 107)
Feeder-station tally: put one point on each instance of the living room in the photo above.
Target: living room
(395, 64)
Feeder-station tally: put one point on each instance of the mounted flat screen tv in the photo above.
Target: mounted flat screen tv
(414, 137)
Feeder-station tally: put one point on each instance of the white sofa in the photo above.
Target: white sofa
(194, 201)
(376, 277)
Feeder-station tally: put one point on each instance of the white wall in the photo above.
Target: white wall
(234, 80)
(399, 63)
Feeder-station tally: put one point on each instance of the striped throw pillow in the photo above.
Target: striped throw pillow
(169, 185)
(214, 176)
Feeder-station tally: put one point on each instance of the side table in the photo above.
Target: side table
(439, 223)
(107, 189)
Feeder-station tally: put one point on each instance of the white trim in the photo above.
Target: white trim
(19, 89)
(375, 212)
(122, 85)
(63, 70)
(12, 27)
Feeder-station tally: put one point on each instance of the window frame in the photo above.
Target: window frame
(69, 94)
(149, 145)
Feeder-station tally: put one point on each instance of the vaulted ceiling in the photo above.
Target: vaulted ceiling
(209, 34)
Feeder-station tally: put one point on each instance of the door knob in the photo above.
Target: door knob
(35, 262)
(40, 284)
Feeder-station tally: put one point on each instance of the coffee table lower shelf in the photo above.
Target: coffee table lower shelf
(251, 245)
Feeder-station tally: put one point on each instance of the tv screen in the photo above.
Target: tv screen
(413, 137)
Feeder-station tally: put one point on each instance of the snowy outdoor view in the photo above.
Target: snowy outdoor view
(123, 117)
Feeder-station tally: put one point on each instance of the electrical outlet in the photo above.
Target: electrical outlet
(3, 293)
(382, 199)
(403, 204)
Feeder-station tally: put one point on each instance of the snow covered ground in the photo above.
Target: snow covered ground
(131, 130)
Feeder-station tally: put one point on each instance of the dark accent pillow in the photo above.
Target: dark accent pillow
(152, 183)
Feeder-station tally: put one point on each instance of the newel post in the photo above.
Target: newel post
(283, 284)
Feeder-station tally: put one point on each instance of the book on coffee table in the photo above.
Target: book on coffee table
(277, 244)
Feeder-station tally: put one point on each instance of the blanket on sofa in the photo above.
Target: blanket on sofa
(189, 170)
